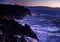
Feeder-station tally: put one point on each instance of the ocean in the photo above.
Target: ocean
(44, 21)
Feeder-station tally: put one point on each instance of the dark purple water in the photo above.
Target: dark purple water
(43, 25)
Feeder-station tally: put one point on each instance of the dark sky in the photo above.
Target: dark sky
(50, 3)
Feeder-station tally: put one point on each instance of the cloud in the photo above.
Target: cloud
(20, 1)
(32, 2)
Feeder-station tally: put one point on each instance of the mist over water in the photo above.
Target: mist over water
(43, 26)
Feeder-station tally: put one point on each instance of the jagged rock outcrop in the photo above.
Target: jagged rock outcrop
(10, 27)
(13, 11)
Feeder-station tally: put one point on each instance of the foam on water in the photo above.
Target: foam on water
(41, 26)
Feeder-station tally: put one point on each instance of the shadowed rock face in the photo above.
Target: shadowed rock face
(13, 11)
(10, 27)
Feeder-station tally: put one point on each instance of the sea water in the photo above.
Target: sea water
(43, 26)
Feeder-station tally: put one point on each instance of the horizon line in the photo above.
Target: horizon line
(33, 5)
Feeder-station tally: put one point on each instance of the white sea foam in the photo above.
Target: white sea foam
(41, 26)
